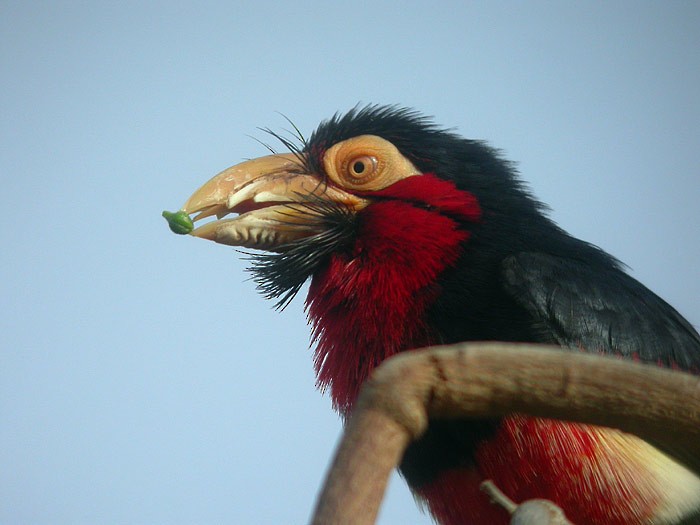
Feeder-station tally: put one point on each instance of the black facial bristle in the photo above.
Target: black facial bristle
(280, 275)
(291, 145)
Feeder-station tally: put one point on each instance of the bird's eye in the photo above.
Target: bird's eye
(366, 163)
(362, 167)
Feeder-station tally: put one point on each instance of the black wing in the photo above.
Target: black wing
(600, 309)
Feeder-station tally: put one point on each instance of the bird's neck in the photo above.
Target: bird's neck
(368, 303)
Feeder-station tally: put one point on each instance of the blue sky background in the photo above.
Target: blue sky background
(142, 379)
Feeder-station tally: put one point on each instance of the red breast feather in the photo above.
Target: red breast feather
(368, 303)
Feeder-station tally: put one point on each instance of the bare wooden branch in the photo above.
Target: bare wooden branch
(491, 380)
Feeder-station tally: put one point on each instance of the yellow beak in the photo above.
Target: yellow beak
(273, 197)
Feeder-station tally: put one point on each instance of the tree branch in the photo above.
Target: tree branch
(492, 380)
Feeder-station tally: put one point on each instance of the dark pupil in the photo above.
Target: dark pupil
(358, 167)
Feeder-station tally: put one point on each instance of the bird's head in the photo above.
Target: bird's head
(383, 210)
(305, 204)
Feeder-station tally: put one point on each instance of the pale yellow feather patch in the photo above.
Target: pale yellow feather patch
(647, 475)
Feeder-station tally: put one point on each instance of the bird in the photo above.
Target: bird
(412, 235)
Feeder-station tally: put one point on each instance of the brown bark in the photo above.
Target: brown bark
(491, 380)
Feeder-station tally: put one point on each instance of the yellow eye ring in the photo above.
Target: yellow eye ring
(367, 163)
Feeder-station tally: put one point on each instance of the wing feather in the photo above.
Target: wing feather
(600, 309)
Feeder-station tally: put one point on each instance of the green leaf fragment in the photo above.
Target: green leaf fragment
(179, 222)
